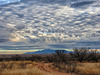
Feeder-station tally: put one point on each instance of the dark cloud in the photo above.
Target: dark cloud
(3, 40)
(81, 4)
(59, 46)
(20, 27)
(89, 43)
(18, 47)
(98, 31)
(2, 27)
(19, 15)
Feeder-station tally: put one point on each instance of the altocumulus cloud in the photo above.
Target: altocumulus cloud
(50, 23)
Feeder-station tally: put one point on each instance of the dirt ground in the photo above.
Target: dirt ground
(47, 67)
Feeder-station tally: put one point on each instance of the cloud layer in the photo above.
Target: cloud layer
(51, 24)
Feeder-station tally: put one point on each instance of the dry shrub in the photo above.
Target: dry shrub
(71, 67)
(84, 68)
(16, 64)
(33, 71)
(23, 65)
(20, 68)
(89, 69)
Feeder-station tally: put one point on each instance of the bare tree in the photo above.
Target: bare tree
(80, 53)
(16, 57)
(94, 55)
(60, 56)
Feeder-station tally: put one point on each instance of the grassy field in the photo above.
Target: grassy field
(20, 68)
(88, 69)
(29, 68)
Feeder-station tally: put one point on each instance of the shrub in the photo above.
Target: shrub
(93, 55)
(16, 57)
(60, 56)
(80, 54)
(36, 58)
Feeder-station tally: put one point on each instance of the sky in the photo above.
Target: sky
(42, 24)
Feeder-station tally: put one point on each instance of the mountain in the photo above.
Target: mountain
(45, 51)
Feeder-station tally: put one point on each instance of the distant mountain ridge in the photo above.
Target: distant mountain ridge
(45, 51)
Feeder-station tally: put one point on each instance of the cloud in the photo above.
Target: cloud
(63, 46)
(81, 4)
(3, 2)
(3, 40)
(50, 22)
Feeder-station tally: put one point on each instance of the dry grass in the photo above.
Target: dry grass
(33, 71)
(28, 68)
(20, 68)
(88, 69)
(80, 68)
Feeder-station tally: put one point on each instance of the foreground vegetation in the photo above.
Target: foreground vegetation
(83, 61)
(20, 68)
(29, 68)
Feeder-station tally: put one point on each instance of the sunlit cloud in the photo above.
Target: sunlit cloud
(15, 51)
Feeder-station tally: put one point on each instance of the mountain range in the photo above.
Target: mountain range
(45, 51)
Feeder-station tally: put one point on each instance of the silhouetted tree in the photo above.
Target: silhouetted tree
(80, 54)
(16, 57)
(36, 58)
(94, 55)
(60, 56)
